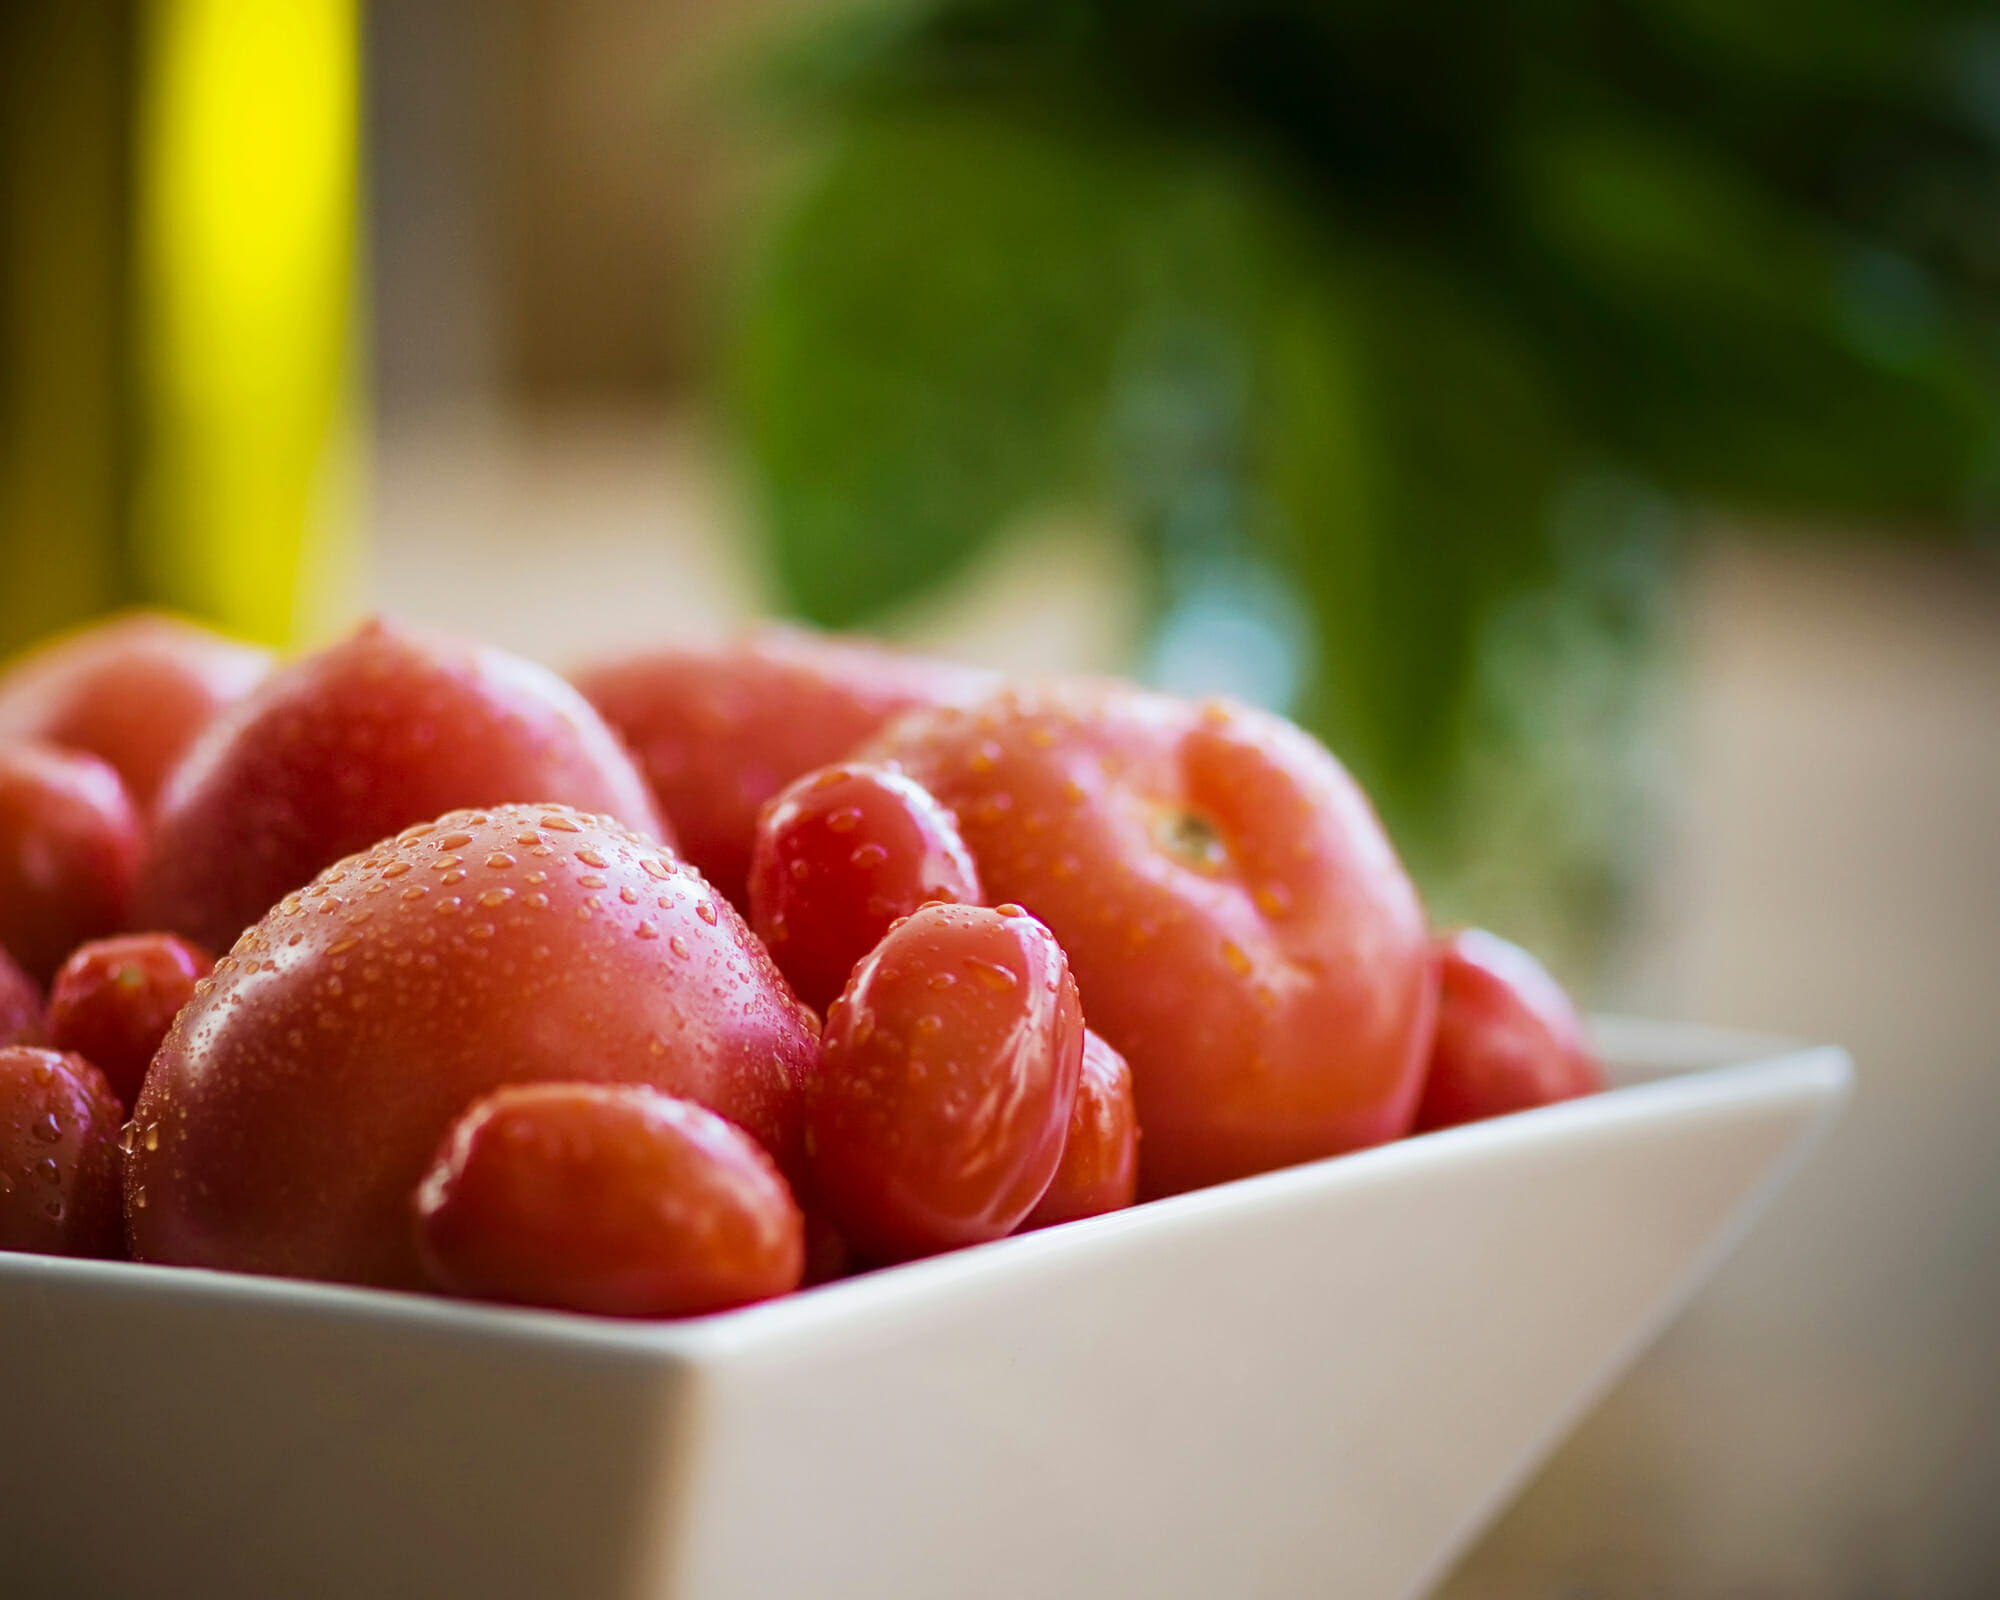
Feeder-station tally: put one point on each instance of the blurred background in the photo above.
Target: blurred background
(1584, 415)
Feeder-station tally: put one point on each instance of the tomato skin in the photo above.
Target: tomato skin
(114, 1000)
(1239, 925)
(304, 1090)
(391, 727)
(840, 855)
(20, 1005)
(59, 1129)
(1508, 1038)
(614, 1199)
(134, 690)
(1100, 1160)
(69, 845)
(947, 1074)
(718, 732)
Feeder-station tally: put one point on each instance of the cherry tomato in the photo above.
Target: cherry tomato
(134, 691)
(947, 1075)
(392, 727)
(114, 1000)
(58, 1155)
(69, 844)
(1507, 1036)
(719, 732)
(614, 1199)
(1100, 1159)
(840, 855)
(1239, 926)
(303, 1091)
(20, 1005)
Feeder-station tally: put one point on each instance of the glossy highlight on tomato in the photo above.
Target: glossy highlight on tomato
(59, 1132)
(947, 1074)
(1099, 1171)
(841, 854)
(115, 998)
(305, 1089)
(69, 846)
(613, 1199)
(1508, 1038)
(1238, 923)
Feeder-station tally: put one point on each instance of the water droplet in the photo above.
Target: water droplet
(480, 930)
(342, 946)
(992, 975)
(593, 880)
(538, 901)
(448, 906)
(590, 858)
(868, 857)
(1233, 956)
(500, 861)
(845, 820)
(929, 1024)
(128, 1138)
(416, 891)
(678, 945)
(454, 841)
(646, 930)
(1273, 899)
(654, 868)
(492, 899)
(139, 1197)
(560, 823)
(153, 1137)
(706, 911)
(48, 1130)
(44, 1074)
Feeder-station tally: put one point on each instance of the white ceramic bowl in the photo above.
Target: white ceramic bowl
(1315, 1382)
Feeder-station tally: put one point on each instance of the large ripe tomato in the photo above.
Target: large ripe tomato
(1100, 1159)
(114, 1000)
(1508, 1038)
(134, 691)
(58, 1155)
(1240, 928)
(720, 731)
(69, 845)
(947, 1077)
(392, 727)
(612, 1198)
(303, 1091)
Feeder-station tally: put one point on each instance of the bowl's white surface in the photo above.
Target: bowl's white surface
(1315, 1382)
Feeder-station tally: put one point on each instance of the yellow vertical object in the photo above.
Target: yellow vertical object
(247, 180)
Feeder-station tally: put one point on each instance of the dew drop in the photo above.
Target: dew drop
(646, 930)
(493, 899)
(706, 911)
(868, 857)
(593, 880)
(590, 858)
(654, 868)
(499, 861)
(454, 841)
(559, 823)
(678, 945)
(992, 975)
(1233, 956)
(416, 891)
(395, 869)
(48, 1129)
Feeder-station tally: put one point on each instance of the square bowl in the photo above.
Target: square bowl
(1317, 1381)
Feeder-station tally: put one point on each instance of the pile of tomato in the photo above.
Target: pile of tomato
(705, 975)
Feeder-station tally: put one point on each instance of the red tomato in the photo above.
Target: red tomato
(134, 690)
(840, 855)
(1100, 1159)
(69, 844)
(614, 1199)
(114, 1000)
(20, 1005)
(946, 1079)
(58, 1155)
(304, 1090)
(1240, 928)
(721, 731)
(1507, 1036)
(393, 727)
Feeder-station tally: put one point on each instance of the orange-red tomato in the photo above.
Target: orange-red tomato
(719, 732)
(609, 1198)
(1100, 1160)
(304, 1090)
(1508, 1038)
(69, 845)
(1239, 925)
(947, 1075)
(114, 1000)
(20, 1005)
(58, 1155)
(392, 727)
(134, 690)
(841, 854)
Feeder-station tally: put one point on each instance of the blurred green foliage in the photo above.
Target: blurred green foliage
(1393, 334)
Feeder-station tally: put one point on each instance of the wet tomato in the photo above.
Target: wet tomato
(1507, 1036)
(1099, 1171)
(392, 727)
(304, 1090)
(720, 731)
(840, 855)
(615, 1199)
(114, 1000)
(134, 691)
(947, 1075)
(59, 1125)
(69, 845)
(1238, 924)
